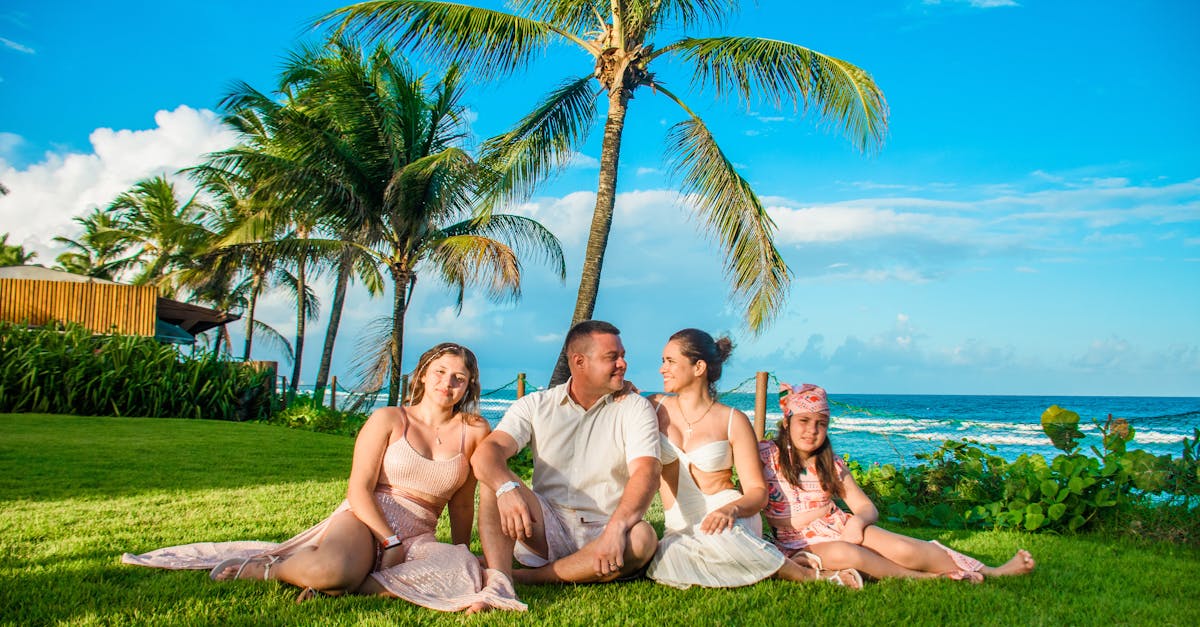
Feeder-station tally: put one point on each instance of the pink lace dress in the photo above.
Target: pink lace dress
(436, 575)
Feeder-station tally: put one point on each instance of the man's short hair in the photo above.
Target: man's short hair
(583, 331)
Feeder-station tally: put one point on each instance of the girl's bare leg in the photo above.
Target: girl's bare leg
(910, 553)
(339, 563)
(839, 555)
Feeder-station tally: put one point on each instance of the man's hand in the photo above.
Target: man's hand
(515, 519)
(609, 551)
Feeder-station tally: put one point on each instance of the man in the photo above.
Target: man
(595, 470)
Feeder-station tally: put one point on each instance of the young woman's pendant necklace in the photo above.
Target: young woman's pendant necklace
(692, 423)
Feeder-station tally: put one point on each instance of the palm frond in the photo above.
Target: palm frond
(519, 160)
(734, 216)
(842, 94)
(526, 236)
(478, 261)
(264, 332)
(373, 358)
(487, 42)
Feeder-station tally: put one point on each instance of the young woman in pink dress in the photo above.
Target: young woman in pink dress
(409, 464)
(804, 475)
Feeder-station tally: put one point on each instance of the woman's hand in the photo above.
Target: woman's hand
(720, 519)
(853, 531)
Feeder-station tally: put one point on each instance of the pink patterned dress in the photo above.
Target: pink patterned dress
(436, 575)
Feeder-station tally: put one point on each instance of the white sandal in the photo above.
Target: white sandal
(856, 581)
(241, 564)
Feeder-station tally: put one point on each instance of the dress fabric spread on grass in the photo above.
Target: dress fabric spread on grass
(436, 575)
(689, 557)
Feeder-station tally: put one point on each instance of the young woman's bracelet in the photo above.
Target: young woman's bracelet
(391, 542)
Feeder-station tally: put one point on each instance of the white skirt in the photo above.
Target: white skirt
(735, 557)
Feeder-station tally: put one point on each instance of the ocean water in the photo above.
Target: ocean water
(893, 429)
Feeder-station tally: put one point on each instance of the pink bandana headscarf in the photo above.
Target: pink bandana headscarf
(803, 398)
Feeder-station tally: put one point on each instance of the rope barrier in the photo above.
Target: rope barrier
(506, 385)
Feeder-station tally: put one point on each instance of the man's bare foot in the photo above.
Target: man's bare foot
(1021, 564)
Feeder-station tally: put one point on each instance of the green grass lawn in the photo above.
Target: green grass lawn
(76, 492)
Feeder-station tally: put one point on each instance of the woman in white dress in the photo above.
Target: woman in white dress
(713, 532)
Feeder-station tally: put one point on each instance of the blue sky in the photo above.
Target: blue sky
(1030, 226)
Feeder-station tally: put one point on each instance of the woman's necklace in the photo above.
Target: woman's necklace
(692, 423)
(437, 429)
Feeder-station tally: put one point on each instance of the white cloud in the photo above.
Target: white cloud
(647, 171)
(12, 45)
(45, 196)
(567, 217)
(842, 222)
(469, 324)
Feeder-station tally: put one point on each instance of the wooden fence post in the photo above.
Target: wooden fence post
(333, 394)
(760, 404)
(520, 384)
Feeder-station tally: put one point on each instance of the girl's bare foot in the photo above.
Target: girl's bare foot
(1021, 564)
(252, 568)
(478, 607)
(963, 575)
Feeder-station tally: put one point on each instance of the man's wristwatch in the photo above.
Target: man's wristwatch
(507, 487)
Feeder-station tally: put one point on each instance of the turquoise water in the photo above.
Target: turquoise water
(892, 429)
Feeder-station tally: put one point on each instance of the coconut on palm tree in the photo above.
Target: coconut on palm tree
(376, 150)
(622, 39)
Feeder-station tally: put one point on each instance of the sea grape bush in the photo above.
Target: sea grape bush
(65, 369)
(306, 413)
(965, 484)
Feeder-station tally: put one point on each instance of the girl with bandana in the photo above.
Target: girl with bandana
(803, 476)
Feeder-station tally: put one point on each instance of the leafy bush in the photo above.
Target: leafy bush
(65, 369)
(306, 413)
(965, 484)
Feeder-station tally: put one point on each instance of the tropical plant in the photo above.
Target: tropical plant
(234, 205)
(13, 255)
(66, 369)
(374, 147)
(620, 37)
(162, 234)
(92, 254)
(965, 484)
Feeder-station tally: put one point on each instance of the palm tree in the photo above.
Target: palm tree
(619, 35)
(13, 255)
(163, 234)
(235, 277)
(375, 148)
(90, 253)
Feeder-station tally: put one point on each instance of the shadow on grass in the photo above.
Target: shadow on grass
(125, 456)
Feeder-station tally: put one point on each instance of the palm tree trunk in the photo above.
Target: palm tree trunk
(250, 317)
(606, 198)
(335, 320)
(400, 280)
(301, 310)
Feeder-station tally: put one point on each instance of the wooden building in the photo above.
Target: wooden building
(36, 295)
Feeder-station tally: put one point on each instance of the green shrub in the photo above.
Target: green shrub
(965, 484)
(65, 369)
(306, 413)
